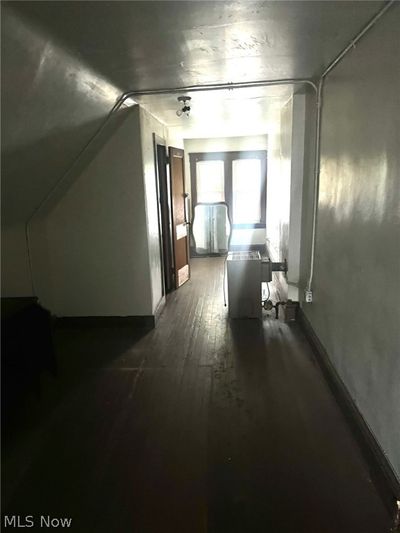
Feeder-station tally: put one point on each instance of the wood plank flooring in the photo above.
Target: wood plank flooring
(200, 425)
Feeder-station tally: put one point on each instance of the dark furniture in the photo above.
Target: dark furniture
(26, 350)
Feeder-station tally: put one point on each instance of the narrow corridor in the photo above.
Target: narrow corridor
(202, 424)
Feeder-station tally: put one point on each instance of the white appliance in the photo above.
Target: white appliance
(244, 284)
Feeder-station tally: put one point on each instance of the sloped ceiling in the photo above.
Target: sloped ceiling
(52, 103)
(64, 64)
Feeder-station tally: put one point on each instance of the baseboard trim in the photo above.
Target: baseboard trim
(381, 471)
(107, 321)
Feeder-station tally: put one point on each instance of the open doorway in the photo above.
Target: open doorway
(173, 215)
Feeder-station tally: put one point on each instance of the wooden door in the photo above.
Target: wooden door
(180, 233)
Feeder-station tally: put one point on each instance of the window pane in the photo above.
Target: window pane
(246, 188)
(210, 181)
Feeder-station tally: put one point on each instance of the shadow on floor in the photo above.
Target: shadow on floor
(202, 425)
(79, 354)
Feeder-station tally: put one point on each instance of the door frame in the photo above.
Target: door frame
(164, 213)
(158, 141)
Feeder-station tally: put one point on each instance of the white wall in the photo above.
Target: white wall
(174, 140)
(226, 144)
(284, 193)
(278, 192)
(296, 195)
(96, 251)
(96, 237)
(356, 286)
(15, 276)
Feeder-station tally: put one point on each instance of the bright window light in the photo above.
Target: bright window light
(246, 189)
(210, 181)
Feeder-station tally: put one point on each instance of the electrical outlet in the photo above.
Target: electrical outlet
(308, 296)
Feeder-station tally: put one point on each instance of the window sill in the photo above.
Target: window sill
(248, 226)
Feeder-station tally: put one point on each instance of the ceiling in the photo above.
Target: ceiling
(65, 63)
(221, 113)
(141, 45)
(153, 45)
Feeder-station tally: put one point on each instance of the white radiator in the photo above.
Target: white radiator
(244, 284)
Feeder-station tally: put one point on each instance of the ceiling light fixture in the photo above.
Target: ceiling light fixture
(185, 109)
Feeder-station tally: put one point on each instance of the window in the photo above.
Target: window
(237, 178)
(210, 181)
(246, 191)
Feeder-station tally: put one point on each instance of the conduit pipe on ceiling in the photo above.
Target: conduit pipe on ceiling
(118, 104)
(317, 160)
(220, 87)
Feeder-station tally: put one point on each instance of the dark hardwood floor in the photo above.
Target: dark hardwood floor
(200, 425)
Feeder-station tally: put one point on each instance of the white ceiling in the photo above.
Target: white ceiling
(154, 45)
(221, 113)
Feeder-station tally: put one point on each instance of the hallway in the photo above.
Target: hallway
(202, 424)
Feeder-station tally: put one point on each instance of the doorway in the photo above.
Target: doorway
(172, 215)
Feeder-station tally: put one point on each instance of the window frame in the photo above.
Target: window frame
(228, 158)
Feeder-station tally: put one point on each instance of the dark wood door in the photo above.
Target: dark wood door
(180, 233)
